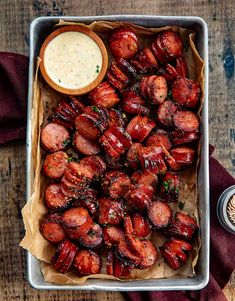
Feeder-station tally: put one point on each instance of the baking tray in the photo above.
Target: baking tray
(39, 29)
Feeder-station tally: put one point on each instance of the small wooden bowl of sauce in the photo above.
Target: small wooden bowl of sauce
(74, 60)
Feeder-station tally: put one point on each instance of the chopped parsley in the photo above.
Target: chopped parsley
(66, 142)
(59, 80)
(95, 109)
(181, 205)
(97, 68)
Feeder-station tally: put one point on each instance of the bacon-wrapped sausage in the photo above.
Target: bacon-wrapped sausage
(183, 226)
(55, 199)
(87, 262)
(151, 158)
(116, 267)
(144, 61)
(113, 236)
(139, 127)
(183, 156)
(175, 252)
(132, 103)
(64, 256)
(123, 42)
(154, 88)
(52, 230)
(159, 138)
(110, 212)
(186, 92)
(160, 214)
(94, 237)
(169, 189)
(55, 164)
(55, 137)
(115, 184)
(166, 112)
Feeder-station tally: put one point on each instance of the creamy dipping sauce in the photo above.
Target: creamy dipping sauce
(72, 60)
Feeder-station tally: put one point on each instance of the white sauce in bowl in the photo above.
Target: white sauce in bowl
(72, 60)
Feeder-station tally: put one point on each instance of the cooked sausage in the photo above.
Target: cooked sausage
(149, 255)
(169, 189)
(145, 177)
(143, 86)
(183, 156)
(71, 189)
(166, 112)
(55, 217)
(140, 197)
(139, 128)
(175, 252)
(132, 156)
(123, 42)
(115, 184)
(172, 72)
(110, 212)
(64, 256)
(140, 225)
(93, 165)
(116, 118)
(109, 150)
(100, 113)
(156, 89)
(186, 121)
(113, 235)
(52, 231)
(77, 222)
(94, 237)
(117, 84)
(178, 137)
(181, 66)
(55, 137)
(122, 135)
(160, 214)
(87, 126)
(133, 241)
(183, 226)
(186, 92)
(132, 103)
(144, 61)
(114, 142)
(110, 263)
(124, 252)
(151, 158)
(84, 145)
(117, 72)
(54, 197)
(75, 174)
(126, 67)
(158, 138)
(88, 199)
(87, 262)
(116, 267)
(55, 164)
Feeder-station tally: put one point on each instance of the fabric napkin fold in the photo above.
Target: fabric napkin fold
(13, 96)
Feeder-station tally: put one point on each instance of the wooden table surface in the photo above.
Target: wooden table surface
(15, 17)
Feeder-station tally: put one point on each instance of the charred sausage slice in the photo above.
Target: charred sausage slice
(141, 226)
(186, 121)
(178, 137)
(115, 184)
(113, 236)
(52, 231)
(84, 145)
(87, 262)
(55, 199)
(159, 138)
(94, 237)
(87, 126)
(160, 214)
(55, 164)
(183, 156)
(110, 212)
(169, 189)
(145, 177)
(166, 112)
(149, 255)
(139, 128)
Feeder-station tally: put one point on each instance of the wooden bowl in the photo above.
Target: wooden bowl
(91, 85)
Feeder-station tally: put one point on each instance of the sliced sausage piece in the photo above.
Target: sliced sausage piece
(169, 189)
(117, 84)
(55, 137)
(74, 174)
(140, 197)
(183, 226)
(116, 118)
(116, 184)
(159, 138)
(55, 164)
(186, 92)
(84, 145)
(110, 263)
(52, 231)
(149, 255)
(70, 189)
(126, 67)
(183, 156)
(178, 137)
(121, 135)
(172, 43)
(116, 267)
(186, 121)
(171, 72)
(143, 86)
(140, 225)
(114, 142)
(110, 151)
(151, 158)
(181, 66)
(132, 156)
(145, 177)
(166, 112)
(113, 235)
(124, 252)
(110, 212)
(69, 259)
(88, 199)
(55, 198)
(157, 89)
(132, 103)
(87, 126)
(144, 61)
(100, 113)
(87, 262)
(139, 128)
(160, 214)
(93, 165)
(118, 73)
(94, 237)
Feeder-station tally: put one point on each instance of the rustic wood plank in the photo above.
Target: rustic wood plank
(15, 17)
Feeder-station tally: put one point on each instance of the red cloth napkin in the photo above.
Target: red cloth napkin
(222, 250)
(13, 96)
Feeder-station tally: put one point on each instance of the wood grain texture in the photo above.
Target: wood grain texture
(15, 17)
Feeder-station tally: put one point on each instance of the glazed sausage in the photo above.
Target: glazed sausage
(123, 42)
(55, 137)
(183, 156)
(88, 199)
(121, 135)
(84, 145)
(156, 89)
(93, 166)
(116, 267)
(55, 217)
(100, 113)
(116, 118)
(171, 71)
(132, 156)
(87, 262)
(183, 226)
(55, 164)
(186, 92)
(132, 103)
(140, 197)
(181, 66)
(115, 184)
(175, 252)
(55, 198)
(75, 174)
(94, 237)
(143, 86)
(110, 212)
(144, 61)
(126, 67)
(114, 81)
(113, 235)
(139, 128)
(166, 112)
(118, 73)
(169, 189)
(109, 150)
(64, 256)
(124, 252)
(140, 225)
(71, 189)
(52, 231)
(151, 158)
(77, 222)
(145, 177)
(159, 138)
(186, 121)
(114, 142)
(178, 137)
(87, 126)
(150, 255)
(160, 214)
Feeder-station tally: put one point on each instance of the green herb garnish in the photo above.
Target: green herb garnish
(66, 142)
(181, 205)
(95, 109)
(97, 68)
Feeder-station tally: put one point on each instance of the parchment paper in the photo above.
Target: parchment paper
(43, 100)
